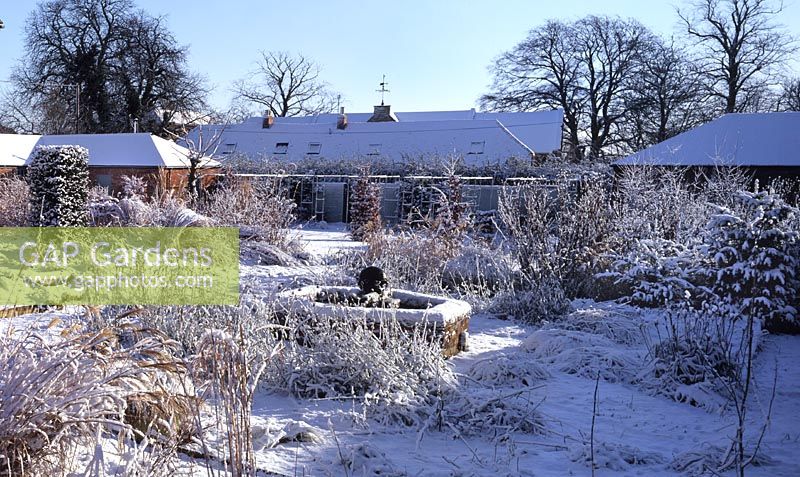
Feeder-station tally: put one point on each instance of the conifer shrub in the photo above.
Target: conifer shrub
(750, 257)
(365, 208)
(59, 186)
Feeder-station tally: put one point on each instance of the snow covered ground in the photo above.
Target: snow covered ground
(635, 433)
(549, 372)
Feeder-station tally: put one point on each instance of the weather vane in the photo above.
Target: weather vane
(383, 84)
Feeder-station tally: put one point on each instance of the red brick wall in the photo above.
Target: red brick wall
(156, 179)
(7, 171)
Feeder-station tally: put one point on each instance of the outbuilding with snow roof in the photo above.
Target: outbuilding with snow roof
(111, 156)
(767, 145)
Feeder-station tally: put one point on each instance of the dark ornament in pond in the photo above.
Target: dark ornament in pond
(375, 291)
(372, 280)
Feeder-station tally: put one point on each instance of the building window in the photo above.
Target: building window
(104, 180)
(476, 147)
(374, 150)
(229, 148)
(314, 147)
(281, 147)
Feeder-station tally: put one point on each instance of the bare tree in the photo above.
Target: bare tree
(610, 50)
(114, 62)
(580, 67)
(664, 97)
(152, 79)
(542, 71)
(287, 85)
(739, 48)
(49, 110)
(790, 97)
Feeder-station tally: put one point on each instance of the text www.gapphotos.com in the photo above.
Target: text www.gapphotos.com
(114, 282)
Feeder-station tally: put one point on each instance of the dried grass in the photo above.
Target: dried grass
(56, 394)
(14, 202)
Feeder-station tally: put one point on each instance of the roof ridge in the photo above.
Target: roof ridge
(515, 138)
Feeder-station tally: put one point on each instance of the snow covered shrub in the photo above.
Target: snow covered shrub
(583, 354)
(527, 215)
(660, 203)
(615, 324)
(451, 220)
(365, 208)
(134, 187)
(751, 261)
(559, 235)
(161, 210)
(512, 371)
(56, 394)
(480, 269)
(14, 202)
(410, 258)
(416, 259)
(528, 219)
(399, 376)
(532, 303)
(104, 210)
(187, 324)
(262, 206)
(585, 233)
(655, 272)
(698, 354)
(59, 184)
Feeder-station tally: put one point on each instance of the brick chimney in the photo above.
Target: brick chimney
(382, 114)
(269, 120)
(341, 123)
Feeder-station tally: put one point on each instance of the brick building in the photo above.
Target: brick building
(111, 156)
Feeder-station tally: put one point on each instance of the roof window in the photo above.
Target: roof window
(281, 147)
(229, 148)
(476, 147)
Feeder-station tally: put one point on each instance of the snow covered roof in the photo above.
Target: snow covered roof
(15, 148)
(764, 139)
(481, 138)
(106, 150)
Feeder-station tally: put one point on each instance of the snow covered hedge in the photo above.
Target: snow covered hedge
(59, 185)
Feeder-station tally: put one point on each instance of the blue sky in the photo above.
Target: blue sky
(434, 53)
